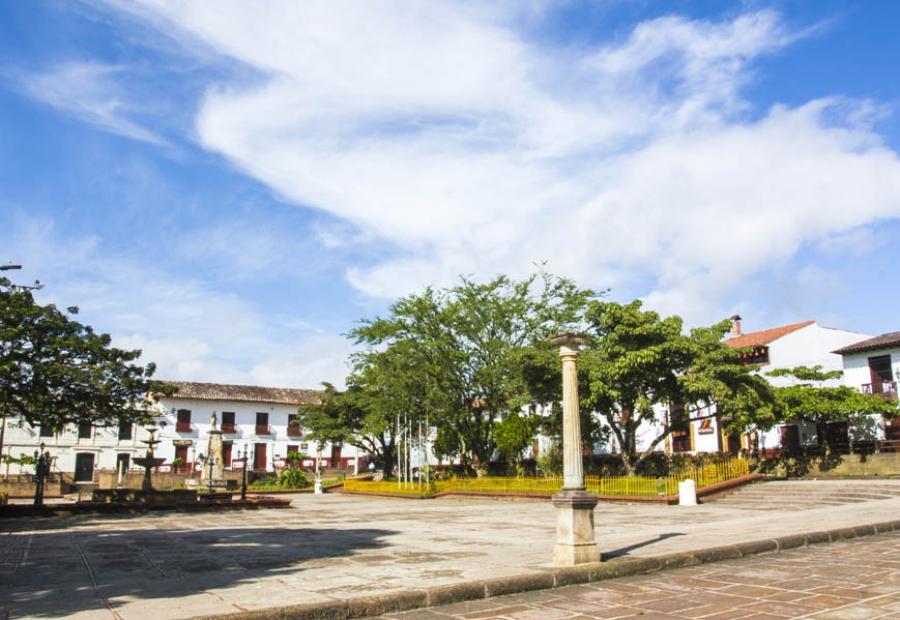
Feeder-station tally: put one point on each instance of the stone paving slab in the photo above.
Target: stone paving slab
(337, 548)
(844, 580)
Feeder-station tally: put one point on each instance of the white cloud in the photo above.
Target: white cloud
(444, 131)
(90, 92)
(189, 330)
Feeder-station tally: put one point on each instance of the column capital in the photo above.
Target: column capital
(568, 343)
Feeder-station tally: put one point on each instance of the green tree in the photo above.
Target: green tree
(639, 365)
(55, 370)
(809, 398)
(384, 386)
(465, 344)
(513, 435)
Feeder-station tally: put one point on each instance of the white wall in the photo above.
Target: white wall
(23, 439)
(856, 366)
(104, 443)
(809, 346)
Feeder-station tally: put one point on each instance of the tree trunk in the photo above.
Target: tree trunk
(387, 460)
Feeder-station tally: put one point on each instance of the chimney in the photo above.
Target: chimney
(735, 325)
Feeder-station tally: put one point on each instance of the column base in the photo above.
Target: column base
(575, 542)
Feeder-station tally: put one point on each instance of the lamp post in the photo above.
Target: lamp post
(575, 543)
(40, 465)
(210, 461)
(244, 476)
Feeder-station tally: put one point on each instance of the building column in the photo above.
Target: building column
(575, 543)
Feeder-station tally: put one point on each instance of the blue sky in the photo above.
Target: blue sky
(230, 188)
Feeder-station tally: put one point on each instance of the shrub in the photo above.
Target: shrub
(292, 479)
(264, 483)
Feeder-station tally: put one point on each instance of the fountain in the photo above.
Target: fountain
(148, 461)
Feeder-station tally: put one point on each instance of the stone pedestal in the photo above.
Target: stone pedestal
(575, 542)
(213, 459)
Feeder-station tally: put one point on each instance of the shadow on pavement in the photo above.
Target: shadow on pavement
(608, 555)
(60, 572)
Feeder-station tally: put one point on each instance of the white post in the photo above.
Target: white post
(575, 542)
(687, 493)
(317, 488)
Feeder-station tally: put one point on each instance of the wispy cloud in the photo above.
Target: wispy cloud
(190, 329)
(444, 132)
(90, 92)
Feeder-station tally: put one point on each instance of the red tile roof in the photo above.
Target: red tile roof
(884, 341)
(764, 337)
(246, 393)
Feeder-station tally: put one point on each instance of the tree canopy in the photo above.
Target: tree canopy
(642, 369)
(465, 344)
(55, 370)
(809, 397)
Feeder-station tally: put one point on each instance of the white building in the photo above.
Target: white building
(873, 366)
(798, 344)
(253, 420)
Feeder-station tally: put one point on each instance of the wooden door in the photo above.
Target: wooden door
(790, 438)
(734, 444)
(259, 457)
(880, 372)
(123, 461)
(84, 467)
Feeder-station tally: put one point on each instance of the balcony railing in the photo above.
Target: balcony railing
(886, 389)
(263, 429)
(229, 429)
(183, 427)
(294, 430)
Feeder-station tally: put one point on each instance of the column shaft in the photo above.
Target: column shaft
(573, 470)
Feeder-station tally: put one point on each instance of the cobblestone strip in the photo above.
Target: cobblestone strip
(844, 581)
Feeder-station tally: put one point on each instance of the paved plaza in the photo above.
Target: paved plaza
(333, 547)
(846, 580)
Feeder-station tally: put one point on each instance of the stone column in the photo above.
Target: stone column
(575, 543)
(214, 457)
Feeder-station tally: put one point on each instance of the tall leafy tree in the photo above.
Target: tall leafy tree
(55, 370)
(386, 393)
(466, 342)
(641, 366)
(809, 397)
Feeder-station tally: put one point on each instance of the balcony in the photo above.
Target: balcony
(183, 427)
(263, 429)
(885, 389)
(229, 429)
(294, 431)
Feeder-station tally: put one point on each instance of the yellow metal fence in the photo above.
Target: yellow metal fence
(624, 486)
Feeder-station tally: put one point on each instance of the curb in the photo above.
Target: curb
(366, 606)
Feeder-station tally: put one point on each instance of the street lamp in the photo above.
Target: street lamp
(244, 476)
(9, 266)
(40, 465)
(210, 462)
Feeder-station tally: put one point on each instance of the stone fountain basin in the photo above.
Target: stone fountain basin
(137, 496)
